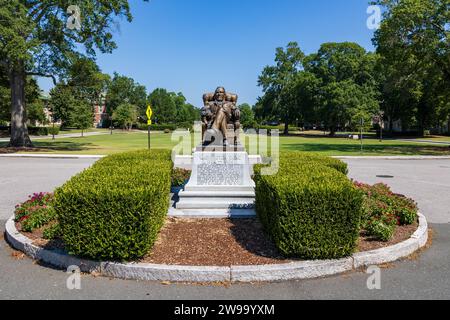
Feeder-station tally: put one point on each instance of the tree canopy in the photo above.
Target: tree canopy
(414, 44)
(124, 90)
(334, 86)
(36, 39)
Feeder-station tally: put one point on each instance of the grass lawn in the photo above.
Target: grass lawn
(372, 147)
(101, 144)
(123, 141)
(70, 131)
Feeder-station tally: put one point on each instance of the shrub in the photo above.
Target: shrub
(300, 158)
(38, 131)
(53, 130)
(36, 212)
(310, 209)
(383, 207)
(52, 232)
(405, 209)
(180, 176)
(380, 230)
(157, 127)
(185, 125)
(40, 217)
(115, 209)
(34, 202)
(279, 128)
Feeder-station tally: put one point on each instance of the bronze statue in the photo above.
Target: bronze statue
(219, 112)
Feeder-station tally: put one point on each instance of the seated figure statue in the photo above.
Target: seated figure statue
(219, 111)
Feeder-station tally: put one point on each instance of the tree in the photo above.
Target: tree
(164, 106)
(83, 81)
(32, 94)
(346, 85)
(86, 80)
(124, 90)
(185, 112)
(125, 115)
(414, 42)
(277, 82)
(36, 112)
(82, 116)
(247, 116)
(5, 97)
(264, 108)
(62, 102)
(34, 40)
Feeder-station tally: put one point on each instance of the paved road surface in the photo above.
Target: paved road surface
(423, 278)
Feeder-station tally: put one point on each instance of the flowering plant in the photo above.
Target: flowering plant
(383, 210)
(35, 202)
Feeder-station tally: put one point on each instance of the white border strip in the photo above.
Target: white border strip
(287, 271)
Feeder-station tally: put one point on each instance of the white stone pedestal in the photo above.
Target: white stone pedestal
(220, 186)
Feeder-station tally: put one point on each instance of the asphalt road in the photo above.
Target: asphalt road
(425, 277)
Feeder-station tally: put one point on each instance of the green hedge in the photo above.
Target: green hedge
(289, 159)
(157, 127)
(310, 209)
(37, 131)
(115, 209)
(279, 128)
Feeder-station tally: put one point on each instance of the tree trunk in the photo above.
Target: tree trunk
(422, 118)
(332, 131)
(286, 123)
(19, 130)
(391, 125)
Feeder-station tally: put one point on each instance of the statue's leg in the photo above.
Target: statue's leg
(220, 124)
(224, 129)
(237, 128)
(203, 130)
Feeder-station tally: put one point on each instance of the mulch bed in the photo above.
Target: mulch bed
(221, 242)
(401, 234)
(224, 242)
(213, 242)
(37, 238)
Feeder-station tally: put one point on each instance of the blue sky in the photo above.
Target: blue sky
(193, 46)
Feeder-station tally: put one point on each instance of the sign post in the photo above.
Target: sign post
(149, 122)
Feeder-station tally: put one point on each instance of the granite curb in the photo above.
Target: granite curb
(258, 273)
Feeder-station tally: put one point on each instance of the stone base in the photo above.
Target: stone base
(220, 186)
(185, 162)
(217, 148)
(212, 213)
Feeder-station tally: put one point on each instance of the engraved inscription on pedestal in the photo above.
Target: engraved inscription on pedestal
(221, 169)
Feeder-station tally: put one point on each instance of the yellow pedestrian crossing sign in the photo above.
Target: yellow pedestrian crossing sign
(149, 115)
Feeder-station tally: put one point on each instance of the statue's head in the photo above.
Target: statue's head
(220, 94)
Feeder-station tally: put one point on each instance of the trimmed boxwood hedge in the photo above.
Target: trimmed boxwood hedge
(115, 209)
(310, 209)
(289, 159)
